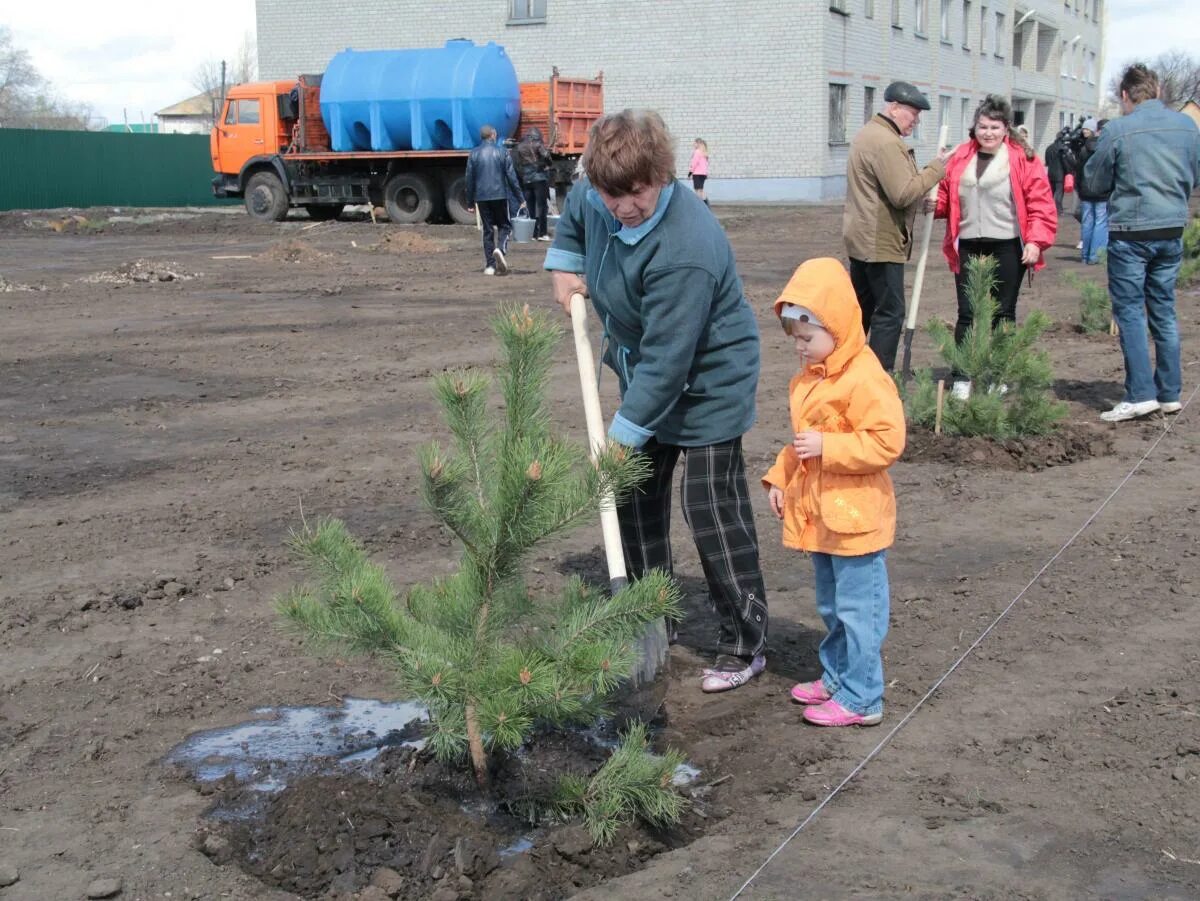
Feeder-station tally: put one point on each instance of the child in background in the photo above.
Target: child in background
(831, 488)
(698, 168)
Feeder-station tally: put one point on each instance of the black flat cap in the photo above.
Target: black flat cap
(903, 92)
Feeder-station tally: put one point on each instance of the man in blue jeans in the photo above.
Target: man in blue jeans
(1148, 162)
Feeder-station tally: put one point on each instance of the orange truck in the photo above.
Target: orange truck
(271, 147)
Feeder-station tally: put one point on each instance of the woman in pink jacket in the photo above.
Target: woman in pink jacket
(997, 202)
(698, 168)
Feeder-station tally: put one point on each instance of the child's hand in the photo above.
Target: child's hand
(808, 445)
(775, 498)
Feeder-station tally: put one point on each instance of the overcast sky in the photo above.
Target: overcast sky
(137, 56)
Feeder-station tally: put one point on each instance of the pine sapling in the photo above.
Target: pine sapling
(487, 661)
(1095, 309)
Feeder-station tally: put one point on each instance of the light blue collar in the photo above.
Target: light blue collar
(624, 233)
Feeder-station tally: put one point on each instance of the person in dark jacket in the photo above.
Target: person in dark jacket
(534, 169)
(684, 344)
(1054, 168)
(1093, 207)
(490, 179)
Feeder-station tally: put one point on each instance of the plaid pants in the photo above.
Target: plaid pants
(716, 506)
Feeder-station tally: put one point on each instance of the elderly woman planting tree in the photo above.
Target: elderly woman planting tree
(997, 201)
(684, 344)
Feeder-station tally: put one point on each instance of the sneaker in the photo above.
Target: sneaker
(1079, 246)
(810, 692)
(1170, 406)
(1125, 410)
(831, 713)
(501, 263)
(731, 672)
(543, 238)
(489, 271)
(961, 390)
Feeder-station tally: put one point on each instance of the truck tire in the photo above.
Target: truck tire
(324, 212)
(266, 200)
(408, 198)
(456, 200)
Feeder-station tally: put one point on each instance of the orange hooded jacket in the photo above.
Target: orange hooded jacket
(842, 502)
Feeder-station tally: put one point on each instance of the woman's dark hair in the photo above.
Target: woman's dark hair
(627, 149)
(996, 107)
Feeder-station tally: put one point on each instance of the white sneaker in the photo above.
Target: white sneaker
(1079, 246)
(544, 238)
(961, 390)
(489, 271)
(501, 263)
(1125, 410)
(1170, 406)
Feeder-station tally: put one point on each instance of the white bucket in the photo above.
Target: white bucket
(522, 229)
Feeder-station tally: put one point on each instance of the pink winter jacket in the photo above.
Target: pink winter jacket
(699, 163)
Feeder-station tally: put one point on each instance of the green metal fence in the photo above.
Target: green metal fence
(48, 169)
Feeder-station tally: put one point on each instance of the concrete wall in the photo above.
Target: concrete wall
(752, 78)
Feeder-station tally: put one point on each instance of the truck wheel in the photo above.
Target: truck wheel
(324, 212)
(456, 200)
(408, 198)
(266, 199)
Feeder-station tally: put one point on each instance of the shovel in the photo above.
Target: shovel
(910, 322)
(654, 639)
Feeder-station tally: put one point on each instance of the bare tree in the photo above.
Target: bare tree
(213, 80)
(1178, 77)
(27, 100)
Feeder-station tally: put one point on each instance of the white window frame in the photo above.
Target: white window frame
(998, 35)
(983, 27)
(946, 21)
(897, 20)
(526, 12)
(837, 107)
(868, 103)
(921, 17)
(869, 9)
(966, 23)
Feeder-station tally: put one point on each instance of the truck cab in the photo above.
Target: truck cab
(251, 124)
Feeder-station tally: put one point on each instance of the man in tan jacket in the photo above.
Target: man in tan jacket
(884, 190)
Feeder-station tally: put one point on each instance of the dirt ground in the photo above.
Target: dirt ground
(175, 389)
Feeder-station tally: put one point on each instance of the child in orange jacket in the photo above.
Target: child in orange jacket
(831, 488)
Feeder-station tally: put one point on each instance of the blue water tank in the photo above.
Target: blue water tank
(431, 99)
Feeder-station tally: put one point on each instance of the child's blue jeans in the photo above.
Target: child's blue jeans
(853, 600)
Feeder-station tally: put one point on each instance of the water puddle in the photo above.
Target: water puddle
(264, 752)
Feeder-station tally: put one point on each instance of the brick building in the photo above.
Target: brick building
(776, 87)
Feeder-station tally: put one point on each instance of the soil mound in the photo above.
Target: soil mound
(141, 272)
(424, 831)
(1072, 443)
(396, 241)
(293, 252)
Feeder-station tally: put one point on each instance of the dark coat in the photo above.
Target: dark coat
(490, 174)
(533, 158)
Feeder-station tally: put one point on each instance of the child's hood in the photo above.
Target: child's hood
(823, 285)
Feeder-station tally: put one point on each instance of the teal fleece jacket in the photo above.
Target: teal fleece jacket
(680, 333)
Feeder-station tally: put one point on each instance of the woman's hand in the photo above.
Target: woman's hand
(775, 499)
(1031, 255)
(808, 445)
(930, 204)
(565, 284)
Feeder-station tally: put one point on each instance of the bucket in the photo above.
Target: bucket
(522, 229)
(551, 223)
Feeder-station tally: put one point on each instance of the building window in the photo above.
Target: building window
(837, 114)
(946, 20)
(966, 42)
(868, 104)
(921, 15)
(1064, 66)
(1091, 68)
(1096, 11)
(983, 29)
(896, 14)
(869, 9)
(999, 35)
(839, 6)
(524, 11)
(965, 115)
(943, 113)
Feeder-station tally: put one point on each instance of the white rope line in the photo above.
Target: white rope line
(982, 635)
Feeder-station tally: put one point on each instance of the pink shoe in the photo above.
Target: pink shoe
(810, 692)
(831, 713)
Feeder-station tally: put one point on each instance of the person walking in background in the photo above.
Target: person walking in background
(684, 344)
(1055, 170)
(831, 488)
(1148, 163)
(1093, 208)
(698, 168)
(997, 203)
(534, 170)
(491, 179)
(884, 190)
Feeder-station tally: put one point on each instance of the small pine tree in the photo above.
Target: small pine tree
(1010, 380)
(1095, 309)
(488, 662)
